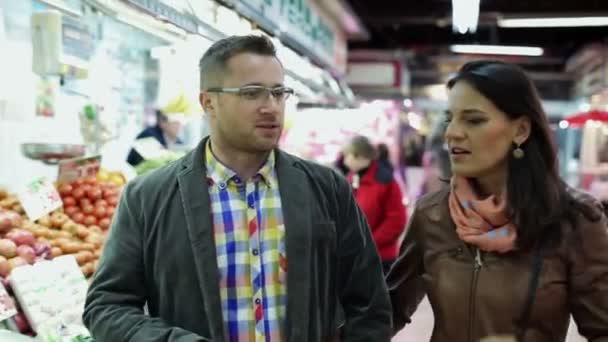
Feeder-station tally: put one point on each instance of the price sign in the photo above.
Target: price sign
(38, 198)
(7, 305)
(52, 295)
(72, 169)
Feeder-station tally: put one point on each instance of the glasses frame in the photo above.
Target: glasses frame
(287, 91)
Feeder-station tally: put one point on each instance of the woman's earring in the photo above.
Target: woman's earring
(518, 153)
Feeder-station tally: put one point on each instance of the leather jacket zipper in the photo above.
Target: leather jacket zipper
(477, 265)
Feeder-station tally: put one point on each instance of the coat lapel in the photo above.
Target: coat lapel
(295, 201)
(196, 203)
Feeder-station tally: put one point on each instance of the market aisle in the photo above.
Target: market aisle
(422, 324)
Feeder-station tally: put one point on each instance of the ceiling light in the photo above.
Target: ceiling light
(564, 124)
(498, 50)
(553, 22)
(465, 15)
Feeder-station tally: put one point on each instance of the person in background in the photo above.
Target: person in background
(507, 249)
(370, 174)
(238, 240)
(169, 123)
(436, 147)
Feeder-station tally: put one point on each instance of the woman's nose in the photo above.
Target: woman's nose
(453, 131)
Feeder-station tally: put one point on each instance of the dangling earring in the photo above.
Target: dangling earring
(518, 153)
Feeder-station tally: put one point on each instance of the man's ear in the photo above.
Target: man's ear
(207, 102)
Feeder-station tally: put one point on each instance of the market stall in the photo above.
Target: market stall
(94, 73)
(593, 153)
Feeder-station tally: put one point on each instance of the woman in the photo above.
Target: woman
(377, 193)
(507, 249)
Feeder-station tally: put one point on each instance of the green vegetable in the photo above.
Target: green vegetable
(153, 164)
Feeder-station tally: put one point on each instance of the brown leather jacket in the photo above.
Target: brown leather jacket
(474, 296)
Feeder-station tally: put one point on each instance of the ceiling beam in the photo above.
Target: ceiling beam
(534, 75)
(486, 18)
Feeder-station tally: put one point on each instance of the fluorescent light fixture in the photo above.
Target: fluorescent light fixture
(553, 22)
(498, 50)
(465, 15)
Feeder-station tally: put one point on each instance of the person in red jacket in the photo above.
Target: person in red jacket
(371, 175)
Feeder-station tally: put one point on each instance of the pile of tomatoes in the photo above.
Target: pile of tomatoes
(90, 202)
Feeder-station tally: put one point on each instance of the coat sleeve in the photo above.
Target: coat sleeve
(393, 217)
(404, 280)
(363, 293)
(115, 300)
(588, 259)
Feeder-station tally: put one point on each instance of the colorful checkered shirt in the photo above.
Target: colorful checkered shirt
(251, 256)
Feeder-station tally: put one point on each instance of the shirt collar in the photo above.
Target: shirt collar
(219, 173)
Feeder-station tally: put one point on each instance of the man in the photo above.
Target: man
(169, 123)
(240, 241)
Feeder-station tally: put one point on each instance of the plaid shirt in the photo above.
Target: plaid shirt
(251, 256)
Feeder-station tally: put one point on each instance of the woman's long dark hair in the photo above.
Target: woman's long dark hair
(537, 197)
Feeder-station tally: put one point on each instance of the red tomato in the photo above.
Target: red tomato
(90, 220)
(107, 193)
(71, 210)
(77, 183)
(101, 203)
(86, 187)
(104, 223)
(110, 211)
(113, 201)
(85, 201)
(94, 194)
(78, 217)
(100, 212)
(78, 193)
(69, 201)
(88, 209)
(92, 180)
(65, 190)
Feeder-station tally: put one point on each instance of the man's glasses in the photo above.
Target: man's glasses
(256, 92)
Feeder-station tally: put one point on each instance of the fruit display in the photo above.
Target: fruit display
(114, 177)
(78, 229)
(90, 202)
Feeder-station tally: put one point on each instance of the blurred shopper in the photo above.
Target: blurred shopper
(239, 241)
(433, 179)
(508, 249)
(378, 195)
(169, 123)
(436, 146)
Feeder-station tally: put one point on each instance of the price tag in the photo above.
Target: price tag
(7, 305)
(73, 169)
(52, 296)
(39, 198)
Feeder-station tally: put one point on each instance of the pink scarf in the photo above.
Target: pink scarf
(483, 223)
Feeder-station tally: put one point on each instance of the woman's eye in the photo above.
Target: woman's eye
(476, 121)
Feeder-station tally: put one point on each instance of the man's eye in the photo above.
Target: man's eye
(278, 93)
(252, 93)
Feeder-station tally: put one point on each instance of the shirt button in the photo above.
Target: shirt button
(222, 185)
(255, 251)
(237, 180)
(258, 301)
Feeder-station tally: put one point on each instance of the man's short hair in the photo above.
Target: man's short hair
(213, 64)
